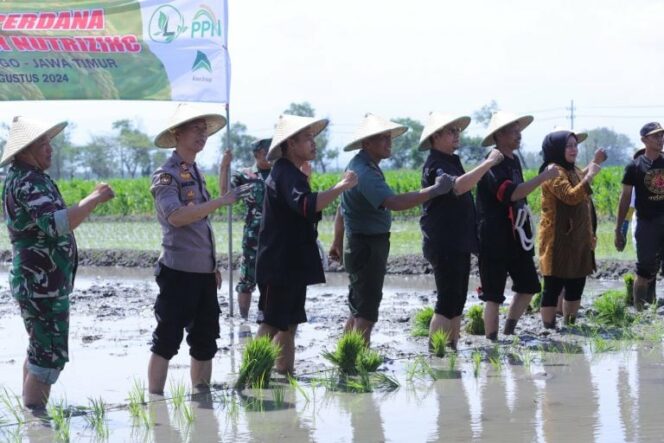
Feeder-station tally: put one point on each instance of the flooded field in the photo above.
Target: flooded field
(567, 386)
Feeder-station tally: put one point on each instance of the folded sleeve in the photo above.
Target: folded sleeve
(165, 193)
(39, 200)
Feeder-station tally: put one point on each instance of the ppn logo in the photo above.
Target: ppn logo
(166, 24)
(205, 24)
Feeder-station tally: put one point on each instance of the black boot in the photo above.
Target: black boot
(510, 326)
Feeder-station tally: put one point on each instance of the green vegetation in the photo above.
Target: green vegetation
(421, 322)
(535, 303)
(475, 315)
(61, 417)
(611, 309)
(257, 361)
(352, 357)
(439, 341)
(629, 289)
(97, 418)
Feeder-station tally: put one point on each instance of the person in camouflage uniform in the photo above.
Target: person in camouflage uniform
(255, 176)
(44, 251)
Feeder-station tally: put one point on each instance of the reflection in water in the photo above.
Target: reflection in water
(365, 420)
(569, 403)
(651, 393)
(453, 421)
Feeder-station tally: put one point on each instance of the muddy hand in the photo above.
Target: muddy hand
(619, 242)
(600, 156)
(551, 171)
(444, 184)
(335, 252)
(103, 192)
(495, 157)
(349, 180)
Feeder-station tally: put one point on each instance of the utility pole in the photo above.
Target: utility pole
(571, 115)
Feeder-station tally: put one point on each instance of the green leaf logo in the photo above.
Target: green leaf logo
(201, 62)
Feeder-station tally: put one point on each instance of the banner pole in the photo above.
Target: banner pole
(230, 219)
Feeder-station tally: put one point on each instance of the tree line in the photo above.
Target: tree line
(128, 152)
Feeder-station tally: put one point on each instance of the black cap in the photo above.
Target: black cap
(651, 128)
(263, 143)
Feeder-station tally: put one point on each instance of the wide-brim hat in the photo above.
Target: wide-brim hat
(289, 125)
(374, 125)
(184, 113)
(580, 136)
(438, 121)
(24, 132)
(501, 119)
(263, 143)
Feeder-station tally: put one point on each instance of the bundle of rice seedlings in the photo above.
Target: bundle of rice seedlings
(475, 315)
(611, 309)
(368, 361)
(439, 340)
(257, 361)
(421, 322)
(349, 347)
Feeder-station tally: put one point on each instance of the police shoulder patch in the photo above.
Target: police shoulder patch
(165, 179)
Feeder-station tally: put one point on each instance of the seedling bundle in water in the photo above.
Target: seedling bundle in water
(352, 355)
(421, 322)
(475, 325)
(439, 340)
(611, 309)
(629, 289)
(257, 361)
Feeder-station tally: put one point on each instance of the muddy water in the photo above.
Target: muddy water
(537, 397)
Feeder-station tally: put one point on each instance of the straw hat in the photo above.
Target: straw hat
(580, 136)
(184, 113)
(289, 125)
(374, 125)
(23, 132)
(501, 119)
(438, 121)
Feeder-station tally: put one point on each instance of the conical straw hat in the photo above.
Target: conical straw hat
(184, 113)
(499, 120)
(438, 121)
(23, 132)
(374, 125)
(289, 125)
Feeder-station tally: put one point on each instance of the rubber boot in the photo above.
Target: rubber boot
(510, 326)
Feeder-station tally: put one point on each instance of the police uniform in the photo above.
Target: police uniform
(186, 267)
(44, 264)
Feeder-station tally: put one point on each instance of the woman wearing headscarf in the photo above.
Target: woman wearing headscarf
(567, 239)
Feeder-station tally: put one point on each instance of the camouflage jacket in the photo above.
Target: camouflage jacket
(44, 249)
(253, 201)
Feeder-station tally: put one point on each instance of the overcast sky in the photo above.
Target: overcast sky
(404, 59)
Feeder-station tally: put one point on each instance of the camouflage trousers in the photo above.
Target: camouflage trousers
(247, 282)
(47, 322)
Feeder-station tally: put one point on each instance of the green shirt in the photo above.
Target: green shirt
(361, 206)
(44, 249)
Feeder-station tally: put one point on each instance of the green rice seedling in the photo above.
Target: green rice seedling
(385, 382)
(526, 358)
(361, 384)
(421, 322)
(296, 386)
(257, 361)
(137, 399)
(278, 395)
(611, 309)
(476, 358)
(452, 361)
(419, 368)
(233, 410)
(97, 417)
(61, 417)
(475, 315)
(599, 345)
(629, 288)
(178, 393)
(188, 413)
(535, 303)
(369, 360)
(439, 341)
(12, 405)
(349, 347)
